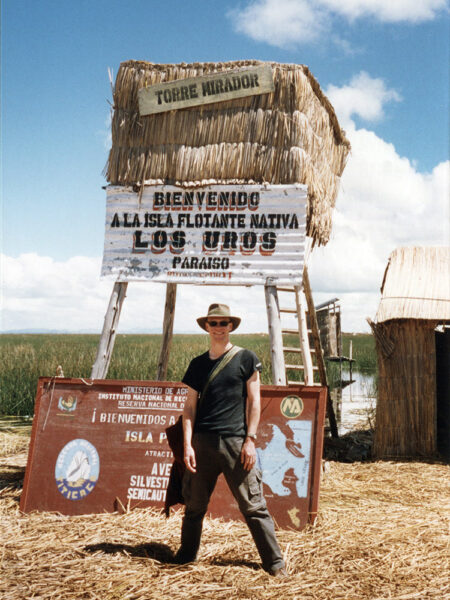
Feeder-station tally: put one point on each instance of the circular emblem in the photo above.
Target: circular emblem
(291, 406)
(77, 469)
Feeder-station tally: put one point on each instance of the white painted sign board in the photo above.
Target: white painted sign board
(220, 234)
(196, 91)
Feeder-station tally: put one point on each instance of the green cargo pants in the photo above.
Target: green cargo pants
(214, 455)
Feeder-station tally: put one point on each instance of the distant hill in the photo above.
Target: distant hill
(66, 332)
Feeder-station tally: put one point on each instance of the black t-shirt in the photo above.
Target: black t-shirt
(222, 410)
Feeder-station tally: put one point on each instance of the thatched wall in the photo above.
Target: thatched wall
(289, 136)
(406, 405)
(330, 332)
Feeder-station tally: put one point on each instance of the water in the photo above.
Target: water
(355, 404)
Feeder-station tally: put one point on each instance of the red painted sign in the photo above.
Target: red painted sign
(102, 446)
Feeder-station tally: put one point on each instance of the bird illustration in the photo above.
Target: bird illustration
(79, 467)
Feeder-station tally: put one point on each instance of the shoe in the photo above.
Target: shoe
(279, 573)
(181, 558)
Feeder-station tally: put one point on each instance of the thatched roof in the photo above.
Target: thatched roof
(416, 285)
(289, 136)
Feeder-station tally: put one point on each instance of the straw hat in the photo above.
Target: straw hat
(218, 311)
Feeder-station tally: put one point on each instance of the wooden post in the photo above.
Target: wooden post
(169, 315)
(275, 335)
(318, 348)
(308, 373)
(108, 337)
(350, 355)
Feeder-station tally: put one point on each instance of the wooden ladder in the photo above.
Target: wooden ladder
(307, 338)
(303, 351)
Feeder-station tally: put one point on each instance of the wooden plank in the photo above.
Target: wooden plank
(304, 340)
(275, 336)
(295, 332)
(169, 316)
(108, 336)
(319, 353)
(351, 359)
(340, 359)
(208, 89)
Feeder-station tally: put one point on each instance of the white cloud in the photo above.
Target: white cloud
(281, 22)
(384, 203)
(285, 23)
(391, 11)
(365, 97)
(40, 293)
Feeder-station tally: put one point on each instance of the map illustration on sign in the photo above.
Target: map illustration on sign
(284, 456)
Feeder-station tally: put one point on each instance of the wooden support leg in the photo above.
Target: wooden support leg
(318, 348)
(108, 337)
(169, 315)
(275, 336)
(350, 355)
(304, 341)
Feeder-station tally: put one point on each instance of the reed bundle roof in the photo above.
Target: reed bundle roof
(416, 285)
(382, 532)
(289, 136)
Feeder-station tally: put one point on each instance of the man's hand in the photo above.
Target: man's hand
(253, 411)
(189, 459)
(248, 454)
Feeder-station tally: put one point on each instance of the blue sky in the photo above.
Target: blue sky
(383, 64)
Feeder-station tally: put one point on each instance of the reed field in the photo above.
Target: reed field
(364, 351)
(26, 357)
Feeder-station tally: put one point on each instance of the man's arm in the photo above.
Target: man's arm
(190, 409)
(248, 453)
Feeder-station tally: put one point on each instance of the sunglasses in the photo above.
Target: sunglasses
(218, 323)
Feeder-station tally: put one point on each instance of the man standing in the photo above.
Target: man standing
(220, 422)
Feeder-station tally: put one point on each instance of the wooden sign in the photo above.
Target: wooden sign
(196, 91)
(220, 234)
(102, 447)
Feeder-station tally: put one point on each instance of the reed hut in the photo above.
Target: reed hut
(290, 135)
(412, 416)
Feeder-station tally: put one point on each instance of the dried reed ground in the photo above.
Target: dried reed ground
(382, 532)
